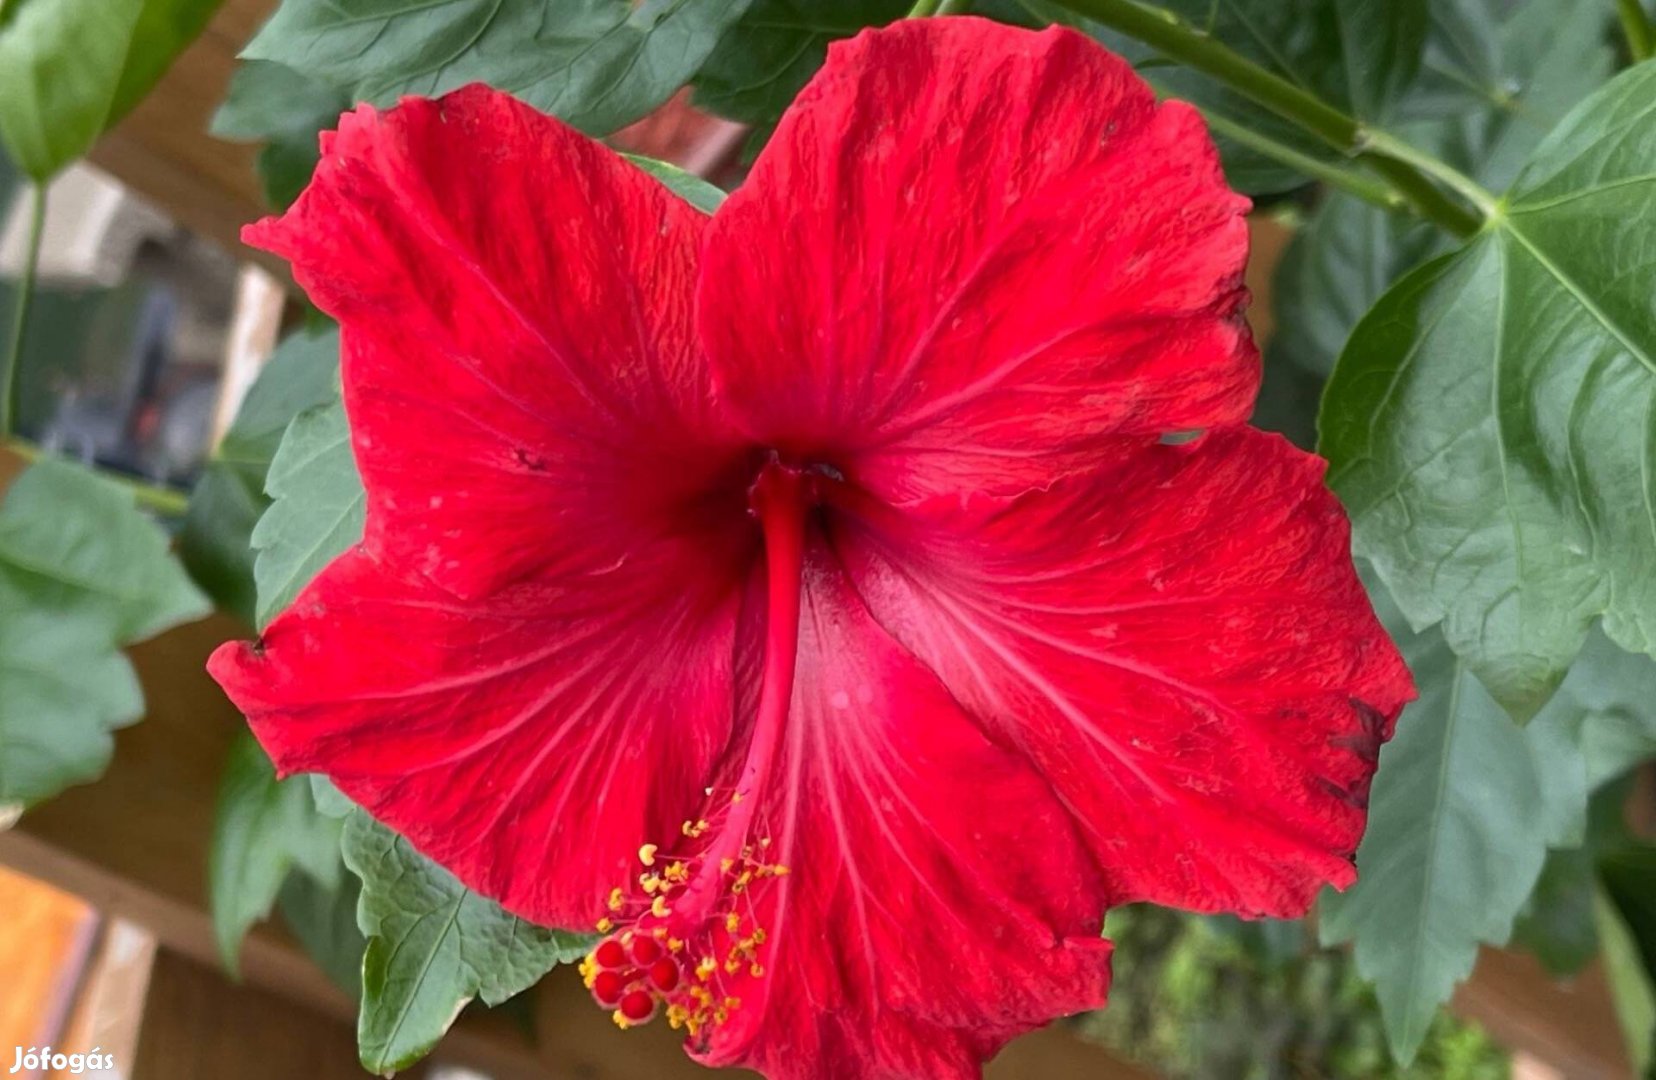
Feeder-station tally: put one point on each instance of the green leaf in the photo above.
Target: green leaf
(598, 64)
(329, 799)
(1462, 812)
(1499, 76)
(1490, 423)
(1496, 78)
(82, 573)
(216, 543)
(763, 62)
(324, 919)
(1338, 264)
(317, 510)
(71, 68)
(287, 111)
(165, 28)
(433, 945)
(262, 829)
(60, 64)
(687, 186)
(1628, 963)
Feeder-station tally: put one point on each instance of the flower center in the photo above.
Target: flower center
(689, 929)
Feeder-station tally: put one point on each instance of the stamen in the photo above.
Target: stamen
(684, 934)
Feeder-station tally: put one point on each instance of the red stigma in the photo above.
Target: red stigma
(638, 1007)
(610, 955)
(646, 951)
(664, 975)
(608, 987)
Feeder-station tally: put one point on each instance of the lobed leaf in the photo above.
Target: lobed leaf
(433, 946)
(82, 574)
(1463, 811)
(229, 498)
(1490, 423)
(317, 509)
(287, 111)
(597, 64)
(263, 828)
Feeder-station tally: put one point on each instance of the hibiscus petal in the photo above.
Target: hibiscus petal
(939, 900)
(520, 370)
(970, 256)
(1180, 643)
(530, 748)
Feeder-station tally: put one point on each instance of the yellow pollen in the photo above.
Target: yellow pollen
(675, 945)
(615, 900)
(620, 1021)
(733, 922)
(725, 865)
(757, 971)
(651, 883)
(647, 854)
(736, 798)
(678, 873)
(705, 969)
(659, 908)
(605, 925)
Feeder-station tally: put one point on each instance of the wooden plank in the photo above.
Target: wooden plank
(1569, 1024)
(197, 1026)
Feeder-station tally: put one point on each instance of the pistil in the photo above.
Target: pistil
(676, 943)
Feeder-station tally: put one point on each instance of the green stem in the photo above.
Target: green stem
(1391, 148)
(1641, 35)
(1351, 181)
(1178, 40)
(12, 379)
(923, 8)
(160, 499)
(954, 7)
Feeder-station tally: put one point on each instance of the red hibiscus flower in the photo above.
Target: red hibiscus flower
(810, 595)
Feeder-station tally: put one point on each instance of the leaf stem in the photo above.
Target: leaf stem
(162, 500)
(923, 8)
(1351, 181)
(954, 7)
(1391, 148)
(1636, 25)
(11, 379)
(1171, 35)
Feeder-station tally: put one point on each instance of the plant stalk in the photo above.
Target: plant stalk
(1169, 34)
(11, 380)
(1351, 181)
(1636, 25)
(162, 500)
